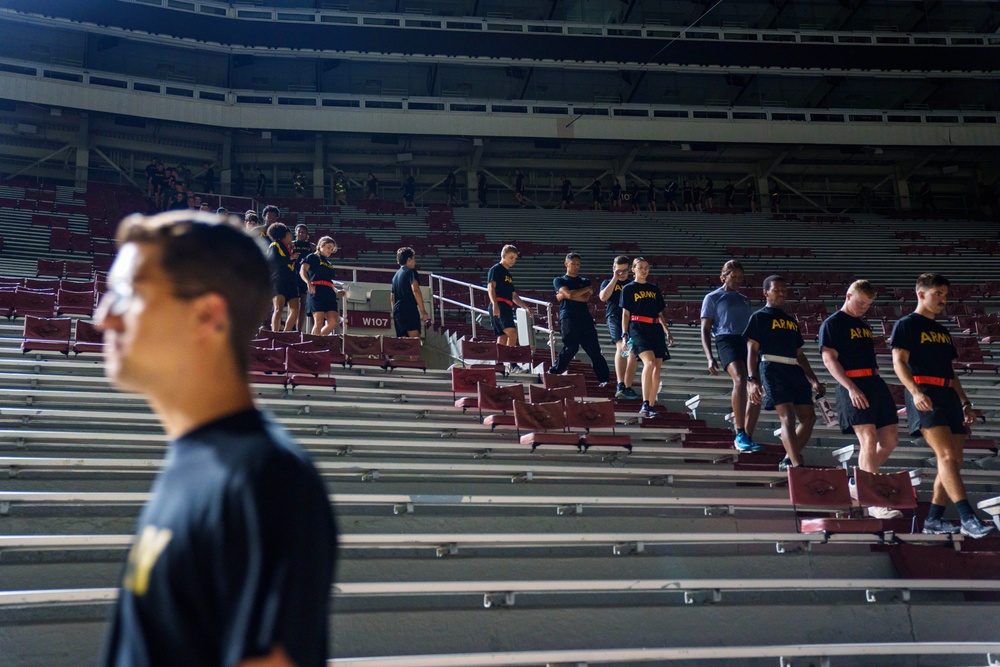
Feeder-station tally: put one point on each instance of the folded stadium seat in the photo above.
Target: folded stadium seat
(590, 415)
(364, 351)
(88, 338)
(42, 284)
(825, 489)
(464, 381)
(545, 424)
(308, 367)
(59, 239)
(74, 303)
(49, 267)
(267, 365)
(280, 339)
(79, 269)
(481, 351)
(7, 303)
(402, 353)
(79, 242)
(103, 263)
(491, 397)
(29, 302)
(574, 380)
(514, 354)
(46, 333)
(893, 490)
(537, 394)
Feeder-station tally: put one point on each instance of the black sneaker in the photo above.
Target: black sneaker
(785, 464)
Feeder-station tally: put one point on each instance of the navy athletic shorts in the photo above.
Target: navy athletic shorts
(881, 410)
(784, 383)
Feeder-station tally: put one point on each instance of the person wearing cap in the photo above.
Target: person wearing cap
(644, 324)
(573, 293)
(724, 316)
(503, 296)
(864, 405)
(937, 407)
(786, 382)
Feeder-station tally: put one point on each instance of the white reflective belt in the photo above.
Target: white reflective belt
(779, 360)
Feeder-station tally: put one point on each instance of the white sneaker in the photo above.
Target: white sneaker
(884, 513)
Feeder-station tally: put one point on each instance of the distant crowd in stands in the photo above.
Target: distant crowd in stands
(172, 188)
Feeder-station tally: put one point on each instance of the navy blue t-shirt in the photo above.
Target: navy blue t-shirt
(929, 344)
(504, 281)
(852, 338)
(775, 331)
(402, 290)
(567, 307)
(319, 268)
(613, 306)
(233, 555)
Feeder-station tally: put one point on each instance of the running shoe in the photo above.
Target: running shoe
(744, 443)
(645, 411)
(785, 464)
(621, 394)
(974, 528)
(631, 395)
(884, 513)
(627, 348)
(940, 527)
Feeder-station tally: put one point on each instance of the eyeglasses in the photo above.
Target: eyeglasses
(115, 301)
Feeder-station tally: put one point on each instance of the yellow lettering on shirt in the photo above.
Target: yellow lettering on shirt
(143, 556)
(784, 324)
(860, 332)
(934, 337)
(645, 294)
(508, 279)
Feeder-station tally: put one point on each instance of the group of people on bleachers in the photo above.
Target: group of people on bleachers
(763, 352)
(173, 188)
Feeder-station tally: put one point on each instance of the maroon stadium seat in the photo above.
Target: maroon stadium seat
(88, 338)
(46, 333)
(545, 424)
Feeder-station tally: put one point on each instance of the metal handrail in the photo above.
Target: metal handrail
(439, 297)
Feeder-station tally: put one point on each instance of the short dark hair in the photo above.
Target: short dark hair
(268, 208)
(301, 226)
(250, 215)
(770, 280)
(277, 231)
(202, 253)
(572, 255)
(403, 255)
(928, 280)
(621, 259)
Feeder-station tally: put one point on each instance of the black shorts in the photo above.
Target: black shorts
(285, 286)
(405, 321)
(615, 328)
(505, 321)
(731, 347)
(648, 337)
(324, 300)
(881, 410)
(784, 383)
(947, 411)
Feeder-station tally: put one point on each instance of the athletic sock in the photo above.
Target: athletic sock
(965, 510)
(645, 404)
(936, 512)
(740, 430)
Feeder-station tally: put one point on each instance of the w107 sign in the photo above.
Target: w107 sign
(366, 319)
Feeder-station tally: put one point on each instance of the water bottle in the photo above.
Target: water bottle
(829, 416)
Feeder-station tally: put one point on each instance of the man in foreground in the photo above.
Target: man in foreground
(233, 558)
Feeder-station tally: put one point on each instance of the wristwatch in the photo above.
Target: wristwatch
(751, 378)
(967, 404)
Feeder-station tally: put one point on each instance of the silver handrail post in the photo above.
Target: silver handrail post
(472, 312)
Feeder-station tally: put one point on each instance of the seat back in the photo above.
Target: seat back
(465, 380)
(492, 397)
(267, 360)
(819, 487)
(86, 332)
(514, 354)
(537, 394)
(281, 339)
(42, 284)
(590, 414)
(49, 267)
(540, 416)
(55, 329)
(39, 304)
(894, 490)
(404, 348)
(312, 362)
(362, 346)
(574, 380)
(473, 350)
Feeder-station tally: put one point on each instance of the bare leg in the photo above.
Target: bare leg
(947, 446)
(293, 314)
(279, 308)
(875, 445)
